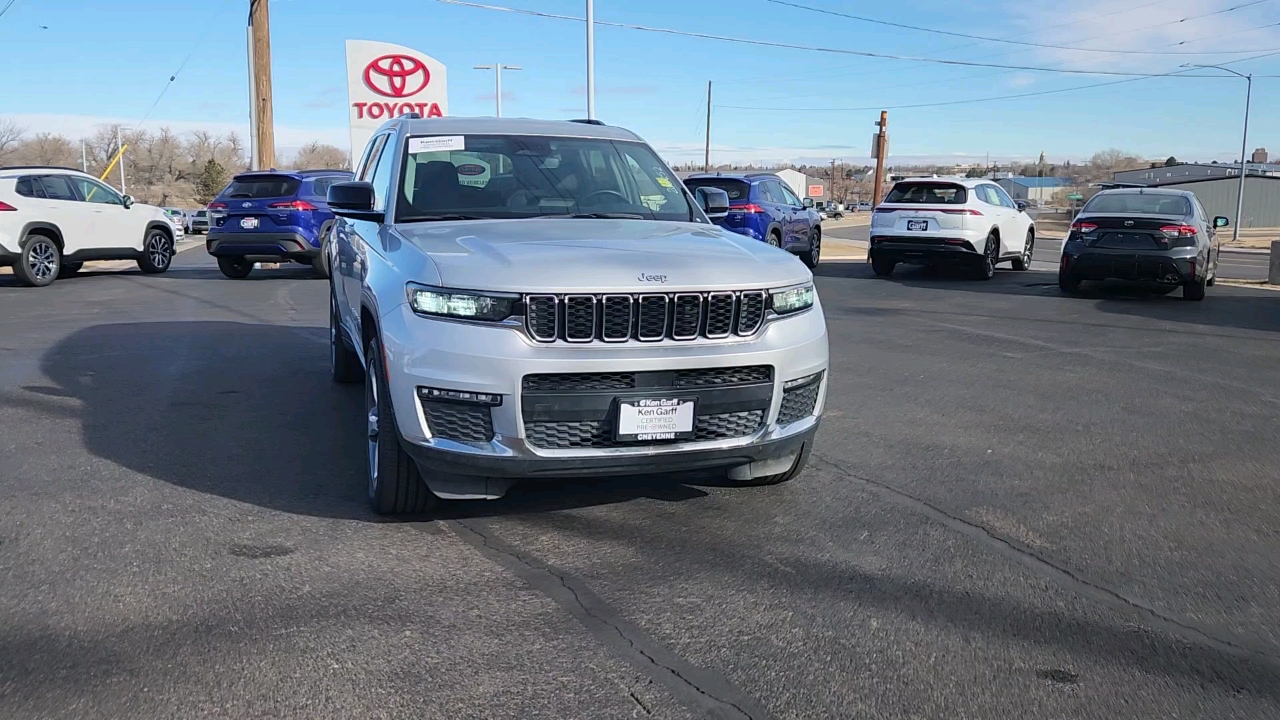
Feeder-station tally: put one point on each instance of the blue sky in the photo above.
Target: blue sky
(101, 62)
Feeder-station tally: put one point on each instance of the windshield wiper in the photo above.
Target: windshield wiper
(604, 216)
(438, 218)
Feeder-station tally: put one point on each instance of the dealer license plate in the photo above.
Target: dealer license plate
(920, 225)
(249, 223)
(649, 419)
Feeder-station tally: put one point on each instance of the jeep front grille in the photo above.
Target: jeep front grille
(648, 317)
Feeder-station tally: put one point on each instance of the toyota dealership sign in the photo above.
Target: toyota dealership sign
(385, 81)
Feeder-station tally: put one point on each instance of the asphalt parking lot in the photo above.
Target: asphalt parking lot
(1021, 505)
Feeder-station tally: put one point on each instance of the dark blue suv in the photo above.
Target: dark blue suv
(272, 216)
(761, 206)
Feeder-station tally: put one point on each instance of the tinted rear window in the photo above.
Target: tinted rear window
(1143, 203)
(738, 190)
(928, 194)
(262, 186)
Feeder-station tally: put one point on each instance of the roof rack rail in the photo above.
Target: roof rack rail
(39, 167)
(587, 121)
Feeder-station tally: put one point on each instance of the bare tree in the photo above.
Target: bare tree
(1105, 163)
(11, 135)
(316, 155)
(47, 149)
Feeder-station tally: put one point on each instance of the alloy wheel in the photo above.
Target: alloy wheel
(158, 250)
(815, 244)
(42, 259)
(1026, 254)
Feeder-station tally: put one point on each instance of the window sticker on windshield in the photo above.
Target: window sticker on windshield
(436, 144)
(664, 182)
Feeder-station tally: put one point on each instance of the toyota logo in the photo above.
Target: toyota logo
(396, 76)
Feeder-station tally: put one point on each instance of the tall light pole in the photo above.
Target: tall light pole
(1244, 143)
(591, 60)
(497, 69)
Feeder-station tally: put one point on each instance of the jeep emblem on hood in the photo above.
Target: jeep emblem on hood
(646, 277)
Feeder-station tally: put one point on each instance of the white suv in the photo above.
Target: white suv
(53, 220)
(932, 221)
(531, 299)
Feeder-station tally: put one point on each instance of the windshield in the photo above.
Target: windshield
(481, 176)
(1141, 203)
(928, 194)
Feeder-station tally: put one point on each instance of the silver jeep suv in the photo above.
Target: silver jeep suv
(529, 299)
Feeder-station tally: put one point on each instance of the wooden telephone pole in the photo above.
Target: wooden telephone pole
(263, 130)
(881, 149)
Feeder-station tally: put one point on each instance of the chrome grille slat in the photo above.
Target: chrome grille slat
(647, 317)
(687, 317)
(652, 326)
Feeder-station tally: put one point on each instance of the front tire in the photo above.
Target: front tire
(1023, 262)
(39, 262)
(157, 253)
(236, 268)
(395, 485)
(813, 255)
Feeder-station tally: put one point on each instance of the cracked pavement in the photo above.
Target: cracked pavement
(1020, 505)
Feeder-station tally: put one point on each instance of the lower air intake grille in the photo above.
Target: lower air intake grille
(798, 404)
(599, 434)
(461, 423)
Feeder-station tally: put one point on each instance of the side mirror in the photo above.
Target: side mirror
(808, 202)
(714, 202)
(128, 201)
(353, 200)
(1221, 222)
(1022, 205)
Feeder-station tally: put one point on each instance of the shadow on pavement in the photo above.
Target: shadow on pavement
(809, 579)
(248, 412)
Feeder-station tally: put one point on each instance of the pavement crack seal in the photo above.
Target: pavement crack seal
(706, 692)
(1044, 567)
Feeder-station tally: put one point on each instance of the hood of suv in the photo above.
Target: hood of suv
(590, 255)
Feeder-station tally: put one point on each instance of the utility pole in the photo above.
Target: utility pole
(706, 153)
(84, 158)
(264, 135)
(832, 197)
(881, 150)
(120, 149)
(591, 60)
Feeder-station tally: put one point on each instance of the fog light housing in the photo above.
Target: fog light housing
(801, 382)
(465, 397)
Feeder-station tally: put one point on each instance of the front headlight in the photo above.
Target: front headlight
(461, 304)
(791, 300)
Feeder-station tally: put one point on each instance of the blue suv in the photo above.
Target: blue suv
(272, 216)
(763, 207)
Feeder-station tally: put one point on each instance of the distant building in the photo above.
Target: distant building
(1040, 189)
(1259, 156)
(1191, 171)
(1218, 196)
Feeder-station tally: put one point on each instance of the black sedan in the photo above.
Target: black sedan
(1145, 234)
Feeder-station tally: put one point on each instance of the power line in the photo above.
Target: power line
(216, 16)
(983, 38)
(790, 46)
(8, 5)
(1173, 73)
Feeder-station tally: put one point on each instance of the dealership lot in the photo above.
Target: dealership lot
(1021, 505)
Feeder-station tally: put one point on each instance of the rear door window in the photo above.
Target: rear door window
(57, 187)
(928, 194)
(737, 190)
(259, 187)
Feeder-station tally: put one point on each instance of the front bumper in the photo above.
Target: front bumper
(249, 244)
(428, 353)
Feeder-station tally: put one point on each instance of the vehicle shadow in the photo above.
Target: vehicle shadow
(1225, 306)
(248, 412)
